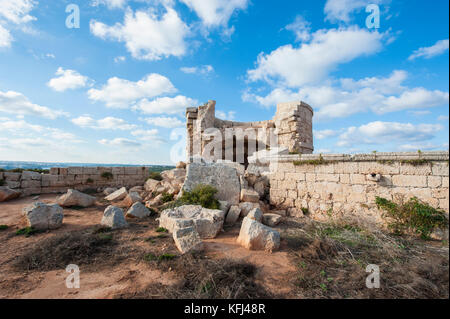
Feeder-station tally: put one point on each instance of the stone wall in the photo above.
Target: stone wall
(292, 126)
(345, 185)
(80, 178)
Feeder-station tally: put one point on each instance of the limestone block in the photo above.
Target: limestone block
(409, 180)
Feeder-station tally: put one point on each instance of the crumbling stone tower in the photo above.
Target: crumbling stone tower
(292, 125)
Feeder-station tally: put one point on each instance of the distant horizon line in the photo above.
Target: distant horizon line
(68, 163)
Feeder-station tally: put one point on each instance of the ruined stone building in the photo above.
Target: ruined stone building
(210, 137)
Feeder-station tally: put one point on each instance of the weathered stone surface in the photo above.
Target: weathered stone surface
(249, 195)
(224, 178)
(207, 222)
(117, 195)
(280, 212)
(76, 198)
(233, 215)
(132, 197)
(7, 194)
(155, 201)
(137, 189)
(181, 165)
(151, 185)
(113, 218)
(246, 207)
(256, 214)
(187, 240)
(224, 206)
(41, 216)
(109, 191)
(138, 210)
(271, 219)
(256, 236)
(29, 175)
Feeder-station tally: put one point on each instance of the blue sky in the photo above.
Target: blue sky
(115, 89)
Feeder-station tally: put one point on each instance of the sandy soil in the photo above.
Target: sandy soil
(107, 282)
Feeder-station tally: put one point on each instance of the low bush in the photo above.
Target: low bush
(166, 197)
(413, 215)
(201, 195)
(107, 175)
(156, 176)
(2, 182)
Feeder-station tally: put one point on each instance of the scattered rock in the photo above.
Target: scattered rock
(138, 210)
(233, 215)
(256, 214)
(246, 207)
(7, 194)
(260, 188)
(271, 219)
(151, 185)
(181, 165)
(249, 195)
(117, 195)
(137, 189)
(132, 197)
(113, 218)
(155, 201)
(280, 212)
(256, 236)
(76, 198)
(224, 206)
(187, 240)
(207, 222)
(223, 177)
(109, 191)
(41, 216)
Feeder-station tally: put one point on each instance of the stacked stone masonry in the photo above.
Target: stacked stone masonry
(345, 185)
(79, 178)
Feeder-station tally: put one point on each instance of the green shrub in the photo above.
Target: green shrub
(156, 176)
(161, 230)
(201, 195)
(2, 182)
(27, 231)
(3, 227)
(166, 197)
(107, 175)
(89, 181)
(414, 215)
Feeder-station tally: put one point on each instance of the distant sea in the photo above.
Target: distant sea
(7, 165)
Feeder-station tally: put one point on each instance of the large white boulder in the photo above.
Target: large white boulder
(187, 240)
(41, 216)
(131, 198)
(117, 195)
(256, 214)
(109, 191)
(223, 177)
(138, 210)
(207, 222)
(76, 198)
(151, 185)
(256, 236)
(246, 207)
(113, 218)
(7, 193)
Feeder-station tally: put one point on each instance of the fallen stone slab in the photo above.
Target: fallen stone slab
(223, 177)
(207, 222)
(256, 214)
(155, 201)
(271, 219)
(138, 210)
(249, 195)
(41, 216)
(187, 240)
(117, 195)
(256, 236)
(246, 207)
(224, 206)
(7, 194)
(113, 218)
(131, 198)
(76, 198)
(280, 212)
(233, 215)
(109, 191)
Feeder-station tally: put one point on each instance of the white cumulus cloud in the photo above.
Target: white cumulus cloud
(438, 48)
(167, 105)
(107, 123)
(121, 93)
(146, 35)
(202, 70)
(67, 80)
(166, 122)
